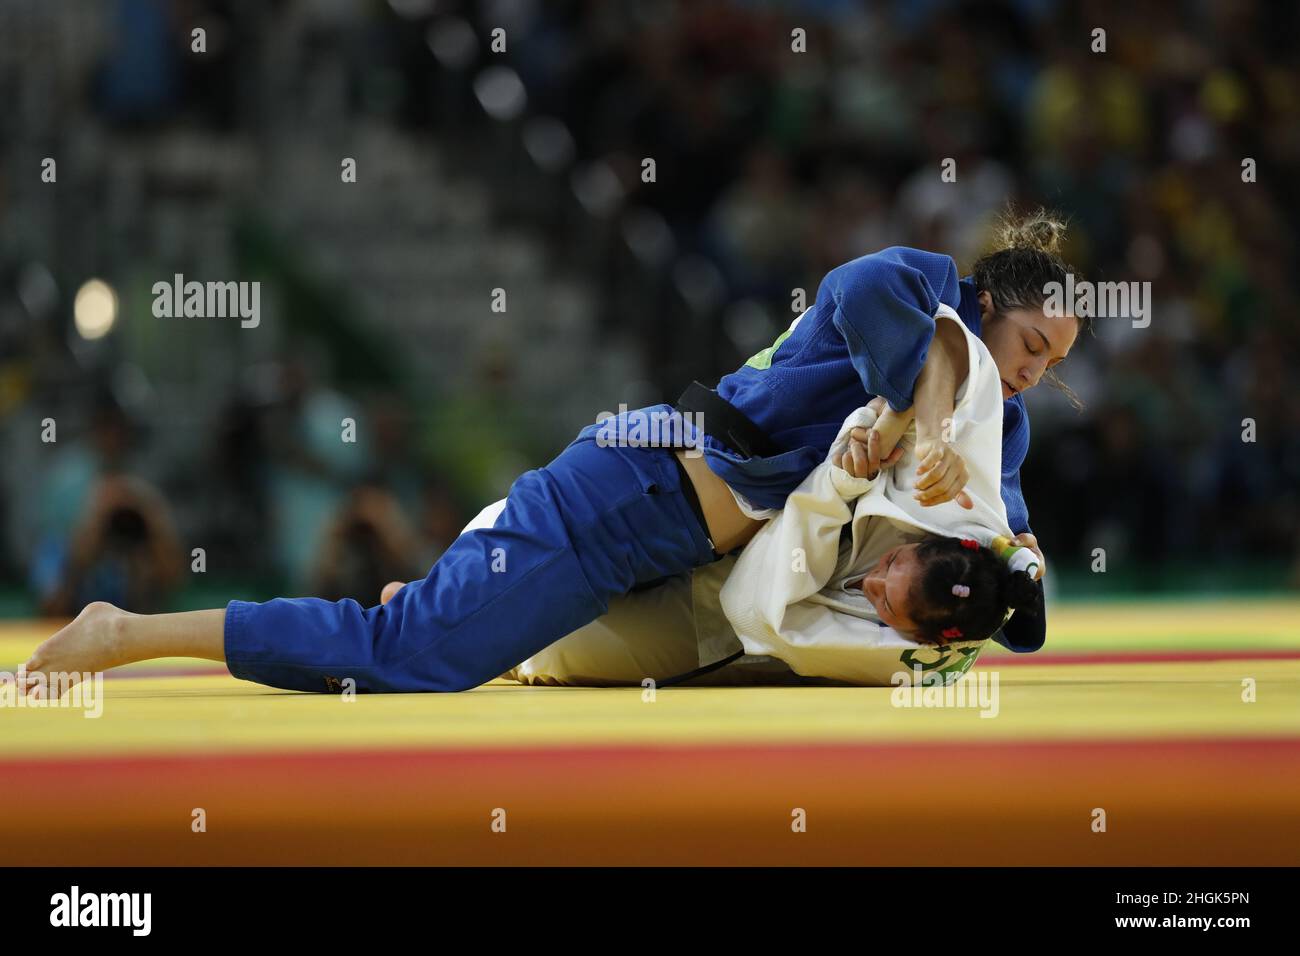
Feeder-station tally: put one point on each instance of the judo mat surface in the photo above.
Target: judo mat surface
(1160, 733)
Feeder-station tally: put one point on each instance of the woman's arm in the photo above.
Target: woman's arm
(942, 471)
(946, 367)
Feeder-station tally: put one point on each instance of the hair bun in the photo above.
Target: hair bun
(1020, 591)
(1040, 231)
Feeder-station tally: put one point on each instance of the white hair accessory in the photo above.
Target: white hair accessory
(1024, 559)
(1017, 557)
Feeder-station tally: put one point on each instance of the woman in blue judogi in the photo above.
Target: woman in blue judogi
(604, 517)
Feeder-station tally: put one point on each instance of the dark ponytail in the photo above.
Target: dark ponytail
(987, 589)
(1022, 260)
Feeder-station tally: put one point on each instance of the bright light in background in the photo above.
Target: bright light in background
(95, 309)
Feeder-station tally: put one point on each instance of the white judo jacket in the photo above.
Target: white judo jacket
(794, 593)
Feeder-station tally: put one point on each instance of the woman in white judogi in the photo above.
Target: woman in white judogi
(791, 607)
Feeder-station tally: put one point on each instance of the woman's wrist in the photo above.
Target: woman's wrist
(932, 426)
(893, 425)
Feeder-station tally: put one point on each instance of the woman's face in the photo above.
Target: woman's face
(1025, 343)
(889, 585)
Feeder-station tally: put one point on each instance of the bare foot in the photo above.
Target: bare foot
(93, 642)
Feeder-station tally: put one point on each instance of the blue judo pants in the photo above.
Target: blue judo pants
(594, 523)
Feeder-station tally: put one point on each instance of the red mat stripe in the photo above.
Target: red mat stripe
(1242, 748)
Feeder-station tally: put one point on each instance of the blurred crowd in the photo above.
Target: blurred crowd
(771, 166)
(295, 490)
(777, 166)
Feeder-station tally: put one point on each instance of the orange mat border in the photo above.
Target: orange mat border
(1168, 802)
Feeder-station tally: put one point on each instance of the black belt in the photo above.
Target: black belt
(700, 671)
(688, 490)
(726, 423)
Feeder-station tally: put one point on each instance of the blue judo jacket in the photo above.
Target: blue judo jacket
(867, 334)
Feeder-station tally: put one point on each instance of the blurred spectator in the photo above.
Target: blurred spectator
(319, 445)
(367, 544)
(107, 536)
